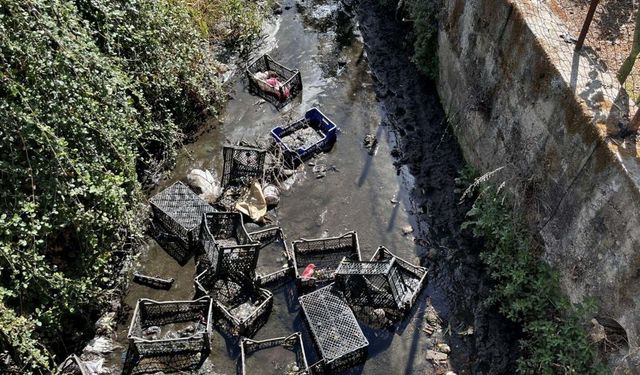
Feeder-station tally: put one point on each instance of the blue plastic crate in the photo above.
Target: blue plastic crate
(324, 128)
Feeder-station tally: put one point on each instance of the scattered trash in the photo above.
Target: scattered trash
(307, 136)
(407, 229)
(273, 81)
(271, 195)
(467, 332)
(325, 254)
(370, 142)
(253, 203)
(100, 345)
(293, 364)
(207, 183)
(153, 282)
(334, 329)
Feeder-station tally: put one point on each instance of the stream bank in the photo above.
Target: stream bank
(367, 85)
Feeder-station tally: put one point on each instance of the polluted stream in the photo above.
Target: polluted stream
(366, 88)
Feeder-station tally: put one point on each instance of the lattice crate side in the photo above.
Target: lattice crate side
(188, 351)
(292, 343)
(267, 237)
(206, 285)
(329, 251)
(292, 80)
(407, 269)
(367, 283)
(334, 329)
(72, 365)
(241, 165)
(179, 210)
(226, 258)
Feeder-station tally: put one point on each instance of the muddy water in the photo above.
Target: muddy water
(374, 195)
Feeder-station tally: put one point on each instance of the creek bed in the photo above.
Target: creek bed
(366, 193)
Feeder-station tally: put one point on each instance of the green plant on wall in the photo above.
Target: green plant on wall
(527, 291)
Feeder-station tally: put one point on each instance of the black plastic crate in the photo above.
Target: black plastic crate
(178, 211)
(386, 281)
(268, 351)
(334, 329)
(242, 165)
(185, 345)
(326, 254)
(73, 365)
(241, 308)
(290, 81)
(226, 247)
(274, 259)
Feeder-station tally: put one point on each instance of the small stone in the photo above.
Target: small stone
(450, 373)
(443, 348)
(436, 357)
(407, 229)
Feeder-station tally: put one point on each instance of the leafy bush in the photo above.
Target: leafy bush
(527, 291)
(93, 95)
(425, 14)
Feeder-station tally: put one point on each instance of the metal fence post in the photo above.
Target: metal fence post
(587, 23)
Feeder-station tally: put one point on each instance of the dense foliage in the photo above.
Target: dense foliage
(425, 15)
(95, 95)
(527, 292)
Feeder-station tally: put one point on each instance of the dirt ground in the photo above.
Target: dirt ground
(610, 34)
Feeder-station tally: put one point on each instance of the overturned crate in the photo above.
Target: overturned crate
(273, 81)
(334, 330)
(386, 281)
(169, 336)
(274, 260)
(226, 247)
(301, 139)
(73, 365)
(178, 211)
(325, 254)
(241, 308)
(287, 353)
(242, 165)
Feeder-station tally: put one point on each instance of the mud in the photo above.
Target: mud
(428, 148)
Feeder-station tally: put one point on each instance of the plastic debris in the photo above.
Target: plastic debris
(271, 195)
(207, 183)
(253, 203)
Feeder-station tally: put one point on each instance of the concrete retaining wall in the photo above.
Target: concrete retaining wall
(519, 98)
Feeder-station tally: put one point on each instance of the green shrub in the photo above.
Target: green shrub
(527, 292)
(425, 14)
(93, 94)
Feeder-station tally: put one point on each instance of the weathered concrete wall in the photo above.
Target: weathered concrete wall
(519, 98)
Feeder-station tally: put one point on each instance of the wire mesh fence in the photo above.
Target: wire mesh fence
(611, 46)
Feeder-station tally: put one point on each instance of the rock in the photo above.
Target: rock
(432, 253)
(436, 357)
(271, 195)
(450, 373)
(597, 331)
(431, 315)
(443, 348)
(106, 325)
(100, 345)
(407, 229)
